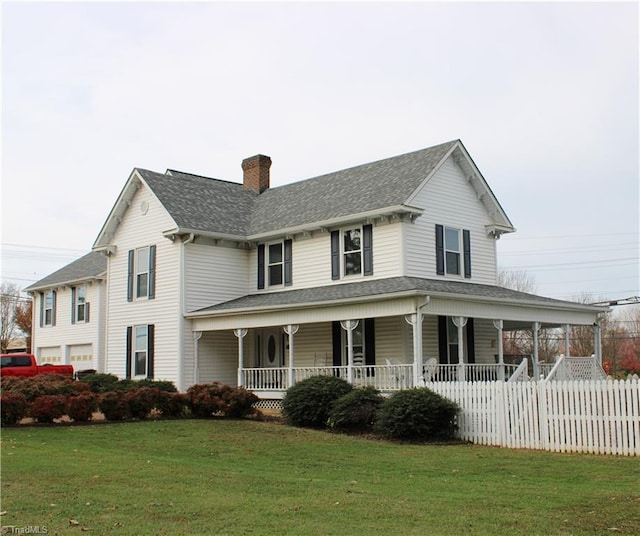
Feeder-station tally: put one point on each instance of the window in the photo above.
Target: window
(364, 346)
(352, 249)
(358, 345)
(275, 264)
(453, 251)
(141, 273)
(140, 351)
(48, 308)
(79, 305)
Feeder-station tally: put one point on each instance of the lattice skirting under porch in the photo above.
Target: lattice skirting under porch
(268, 404)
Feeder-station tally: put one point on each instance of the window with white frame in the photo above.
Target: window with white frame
(142, 272)
(352, 251)
(452, 250)
(81, 304)
(275, 264)
(49, 308)
(140, 349)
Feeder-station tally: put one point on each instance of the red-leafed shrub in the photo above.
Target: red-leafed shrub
(210, 399)
(48, 407)
(82, 406)
(142, 400)
(13, 407)
(45, 384)
(172, 404)
(114, 406)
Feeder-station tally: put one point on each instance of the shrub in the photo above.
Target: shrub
(355, 411)
(209, 399)
(142, 400)
(114, 406)
(48, 407)
(102, 383)
(82, 406)
(417, 414)
(308, 403)
(172, 404)
(45, 384)
(13, 408)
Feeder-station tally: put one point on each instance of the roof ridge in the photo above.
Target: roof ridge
(169, 172)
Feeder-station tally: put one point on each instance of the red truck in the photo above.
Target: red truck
(25, 365)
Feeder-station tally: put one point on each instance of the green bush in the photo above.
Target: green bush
(82, 406)
(355, 411)
(308, 403)
(210, 399)
(417, 414)
(13, 408)
(48, 407)
(114, 406)
(102, 383)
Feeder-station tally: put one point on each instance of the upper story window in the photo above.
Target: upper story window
(453, 251)
(275, 264)
(352, 252)
(48, 308)
(141, 273)
(79, 304)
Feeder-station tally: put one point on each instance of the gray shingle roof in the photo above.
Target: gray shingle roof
(378, 287)
(204, 204)
(90, 266)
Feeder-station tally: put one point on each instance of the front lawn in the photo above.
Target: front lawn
(247, 477)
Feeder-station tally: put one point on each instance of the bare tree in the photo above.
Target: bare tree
(23, 319)
(9, 295)
(519, 280)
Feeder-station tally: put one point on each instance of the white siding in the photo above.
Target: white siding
(218, 358)
(448, 199)
(214, 274)
(165, 311)
(62, 338)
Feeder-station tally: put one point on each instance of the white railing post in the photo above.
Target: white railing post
(291, 330)
(240, 333)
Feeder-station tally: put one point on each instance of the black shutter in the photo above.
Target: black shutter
(127, 361)
(466, 248)
(439, 249)
(86, 311)
(367, 249)
(370, 345)
(73, 305)
(336, 338)
(288, 261)
(471, 344)
(152, 272)
(443, 342)
(41, 308)
(54, 307)
(130, 275)
(261, 266)
(335, 255)
(150, 350)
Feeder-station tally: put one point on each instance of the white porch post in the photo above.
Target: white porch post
(240, 333)
(567, 340)
(349, 326)
(499, 325)
(536, 370)
(197, 335)
(415, 320)
(597, 342)
(290, 330)
(460, 322)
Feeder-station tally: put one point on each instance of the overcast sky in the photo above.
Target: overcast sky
(543, 95)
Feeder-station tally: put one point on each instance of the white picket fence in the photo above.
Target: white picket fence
(599, 416)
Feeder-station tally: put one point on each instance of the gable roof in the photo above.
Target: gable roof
(221, 208)
(91, 266)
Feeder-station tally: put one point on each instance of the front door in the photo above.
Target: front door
(271, 354)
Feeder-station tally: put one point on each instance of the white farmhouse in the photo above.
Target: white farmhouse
(384, 274)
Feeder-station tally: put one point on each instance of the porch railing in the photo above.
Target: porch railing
(390, 377)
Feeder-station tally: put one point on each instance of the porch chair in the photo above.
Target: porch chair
(429, 369)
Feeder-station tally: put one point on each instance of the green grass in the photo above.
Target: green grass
(247, 477)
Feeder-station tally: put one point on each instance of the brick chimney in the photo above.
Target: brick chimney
(256, 173)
